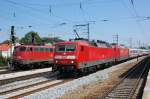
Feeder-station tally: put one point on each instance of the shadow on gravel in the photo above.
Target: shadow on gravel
(140, 65)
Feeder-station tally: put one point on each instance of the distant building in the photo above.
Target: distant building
(6, 50)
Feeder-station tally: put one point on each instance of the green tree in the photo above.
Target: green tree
(51, 40)
(27, 39)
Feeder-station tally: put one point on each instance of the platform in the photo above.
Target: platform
(24, 73)
(146, 93)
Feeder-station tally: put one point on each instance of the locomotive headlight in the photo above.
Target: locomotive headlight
(71, 57)
(58, 57)
(56, 61)
(18, 57)
(72, 62)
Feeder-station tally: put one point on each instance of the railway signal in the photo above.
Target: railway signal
(33, 38)
(13, 35)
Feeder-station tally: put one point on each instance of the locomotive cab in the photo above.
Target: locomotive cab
(19, 53)
(69, 54)
(65, 54)
(30, 56)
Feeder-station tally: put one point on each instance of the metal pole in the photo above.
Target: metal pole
(117, 37)
(130, 41)
(88, 31)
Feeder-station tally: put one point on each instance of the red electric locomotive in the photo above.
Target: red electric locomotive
(82, 55)
(121, 52)
(31, 56)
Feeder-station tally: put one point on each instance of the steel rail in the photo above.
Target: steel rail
(137, 83)
(115, 86)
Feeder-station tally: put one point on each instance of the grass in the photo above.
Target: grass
(3, 61)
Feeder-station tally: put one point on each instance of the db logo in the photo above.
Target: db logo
(64, 53)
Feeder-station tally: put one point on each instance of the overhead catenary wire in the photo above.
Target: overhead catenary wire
(50, 9)
(136, 15)
(86, 2)
(138, 22)
(37, 10)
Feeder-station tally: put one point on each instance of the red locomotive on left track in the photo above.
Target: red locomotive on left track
(31, 56)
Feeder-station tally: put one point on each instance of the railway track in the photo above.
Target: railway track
(129, 83)
(30, 86)
(23, 75)
(3, 67)
(4, 70)
(19, 84)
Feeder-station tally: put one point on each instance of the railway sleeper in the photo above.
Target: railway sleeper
(124, 87)
(121, 91)
(122, 96)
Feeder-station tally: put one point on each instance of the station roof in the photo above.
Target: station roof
(4, 47)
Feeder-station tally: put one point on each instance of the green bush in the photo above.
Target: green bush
(3, 61)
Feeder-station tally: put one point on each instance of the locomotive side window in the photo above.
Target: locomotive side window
(50, 50)
(42, 49)
(46, 49)
(22, 49)
(82, 48)
(36, 49)
(31, 49)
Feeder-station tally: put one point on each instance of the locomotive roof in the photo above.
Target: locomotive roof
(46, 46)
(81, 42)
(74, 42)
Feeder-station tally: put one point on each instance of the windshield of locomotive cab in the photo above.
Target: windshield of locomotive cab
(20, 49)
(66, 48)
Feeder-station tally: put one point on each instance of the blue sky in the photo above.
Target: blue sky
(120, 16)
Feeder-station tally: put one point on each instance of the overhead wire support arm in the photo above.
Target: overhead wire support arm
(87, 29)
(76, 33)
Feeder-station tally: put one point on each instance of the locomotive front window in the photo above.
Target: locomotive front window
(60, 48)
(16, 49)
(65, 48)
(70, 48)
(22, 49)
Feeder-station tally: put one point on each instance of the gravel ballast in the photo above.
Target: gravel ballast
(57, 91)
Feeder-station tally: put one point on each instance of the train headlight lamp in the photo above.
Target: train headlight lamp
(19, 57)
(56, 61)
(72, 62)
(58, 57)
(71, 57)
